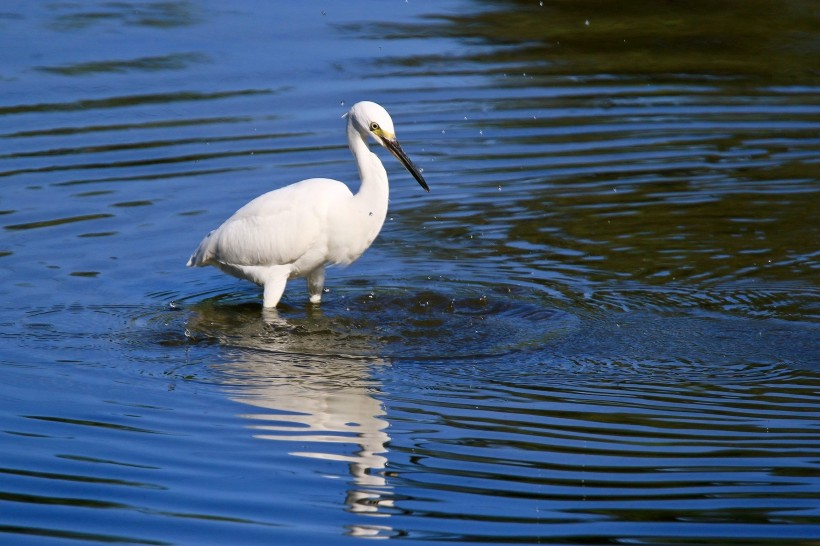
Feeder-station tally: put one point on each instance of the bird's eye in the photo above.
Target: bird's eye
(374, 126)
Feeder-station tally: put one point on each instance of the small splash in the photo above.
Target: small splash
(454, 320)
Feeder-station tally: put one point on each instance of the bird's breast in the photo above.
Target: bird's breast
(353, 231)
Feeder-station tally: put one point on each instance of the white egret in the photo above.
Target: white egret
(297, 230)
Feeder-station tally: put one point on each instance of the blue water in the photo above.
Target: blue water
(599, 327)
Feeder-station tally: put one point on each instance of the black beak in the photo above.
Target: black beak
(395, 149)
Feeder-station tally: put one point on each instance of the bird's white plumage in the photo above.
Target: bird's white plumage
(297, 230)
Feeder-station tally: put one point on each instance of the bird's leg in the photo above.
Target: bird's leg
(274, 287)
(315, 283)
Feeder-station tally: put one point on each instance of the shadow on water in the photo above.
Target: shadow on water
(643, 39)
(629, 151)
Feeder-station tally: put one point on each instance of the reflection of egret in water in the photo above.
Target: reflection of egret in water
(310, 387)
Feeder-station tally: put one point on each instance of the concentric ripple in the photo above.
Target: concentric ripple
(599, 327)
(455, 320)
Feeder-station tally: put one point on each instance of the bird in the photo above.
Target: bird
(299, 230)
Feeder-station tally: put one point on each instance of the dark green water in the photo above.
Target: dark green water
(600, 327)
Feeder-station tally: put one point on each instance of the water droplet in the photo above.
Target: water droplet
(586, 23)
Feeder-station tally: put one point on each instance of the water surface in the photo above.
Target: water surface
(600, 326)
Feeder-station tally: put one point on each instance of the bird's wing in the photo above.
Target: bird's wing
(276, 228)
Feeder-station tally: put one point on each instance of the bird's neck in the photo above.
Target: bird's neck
(373, 192)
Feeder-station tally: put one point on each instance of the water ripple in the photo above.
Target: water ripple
(599, 327)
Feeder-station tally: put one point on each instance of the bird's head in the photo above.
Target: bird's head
(369, 118)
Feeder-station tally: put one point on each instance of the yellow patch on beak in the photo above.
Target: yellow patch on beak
(381, 133)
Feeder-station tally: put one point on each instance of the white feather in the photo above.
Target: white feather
(297, 230)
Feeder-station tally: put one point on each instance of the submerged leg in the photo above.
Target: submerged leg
(315, 282)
